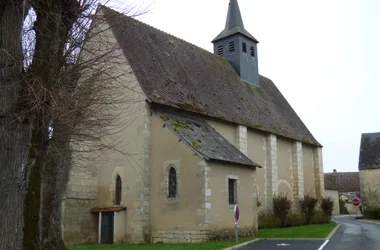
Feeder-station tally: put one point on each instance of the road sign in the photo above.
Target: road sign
(356, 202)
(236, 212)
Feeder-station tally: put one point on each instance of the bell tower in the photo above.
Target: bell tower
(238, 46)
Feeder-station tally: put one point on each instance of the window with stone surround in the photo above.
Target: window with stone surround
(118, 190)
(232, 191)
(172, 188)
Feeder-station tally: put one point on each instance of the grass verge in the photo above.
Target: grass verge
(199, 246)
(309, 231)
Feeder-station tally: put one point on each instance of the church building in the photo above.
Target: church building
(206, 132)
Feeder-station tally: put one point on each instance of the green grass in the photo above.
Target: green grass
(199, 246)
(310, 231)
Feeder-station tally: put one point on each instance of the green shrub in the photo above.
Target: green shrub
(281, 207)
(342, 207)
(268, 220)
(320, 217)
(295, 220)
(307, 206)
(327, 205)
(372, 213)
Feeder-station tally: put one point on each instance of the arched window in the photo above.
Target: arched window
(172, 182)
(118, 190)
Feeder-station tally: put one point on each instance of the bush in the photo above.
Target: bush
(342, 207)
(327, 206)
(281, 208)
(268, 220)
(372, 213)
(320, 217)
(229, 234)
(295, 220)
(307, 206)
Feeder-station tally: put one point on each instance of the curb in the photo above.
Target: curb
(331, 234)
(241, 245)
(292, 238)
(372, 222)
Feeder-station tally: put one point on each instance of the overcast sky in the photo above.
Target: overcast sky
(323, 55)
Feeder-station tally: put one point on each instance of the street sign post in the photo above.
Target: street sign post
(237, 216)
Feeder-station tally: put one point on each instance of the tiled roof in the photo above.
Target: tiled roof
(201, 137)
(369, 151)
(342, 181)
(176, 73)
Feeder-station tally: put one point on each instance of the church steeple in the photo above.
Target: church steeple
(234, 18)
(238, 46)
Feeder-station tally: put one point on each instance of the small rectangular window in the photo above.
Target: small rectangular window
(220, 50)
(232, 191)
(252, 51)
(244, 47)
(231, 47)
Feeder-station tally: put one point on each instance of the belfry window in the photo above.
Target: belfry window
(118, 190)
(172, 183)
(231, 47)
(220, 50)
(253, 54)
(244, 45)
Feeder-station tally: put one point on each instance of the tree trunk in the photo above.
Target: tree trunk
(37, 156)
(54, 180)
(14, 130)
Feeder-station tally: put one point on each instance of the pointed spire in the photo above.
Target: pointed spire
(234, 18)
(234, 23)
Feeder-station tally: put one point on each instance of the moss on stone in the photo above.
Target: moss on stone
(164, 117)
(196, 145)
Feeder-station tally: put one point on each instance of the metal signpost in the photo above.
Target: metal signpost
(237, 214)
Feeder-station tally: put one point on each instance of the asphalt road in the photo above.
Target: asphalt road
(354, 235)
(351, 235)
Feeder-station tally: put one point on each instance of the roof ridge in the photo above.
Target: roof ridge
(151, 26)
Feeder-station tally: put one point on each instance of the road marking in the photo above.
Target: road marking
(324, 244)
(283, 245)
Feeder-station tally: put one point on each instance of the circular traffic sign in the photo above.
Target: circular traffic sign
(236, 212)
(356, 202)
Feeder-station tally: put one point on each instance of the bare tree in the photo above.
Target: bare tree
(55, 96)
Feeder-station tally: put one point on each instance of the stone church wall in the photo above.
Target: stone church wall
(257, 152)
(79, 225)
(128, 156)
(181, 218)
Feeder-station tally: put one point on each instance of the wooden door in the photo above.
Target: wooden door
(107, 228)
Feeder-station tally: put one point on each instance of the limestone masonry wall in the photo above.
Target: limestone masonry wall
(78, 224)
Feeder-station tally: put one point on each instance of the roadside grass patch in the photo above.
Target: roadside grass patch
(309, 231)
(195, 246)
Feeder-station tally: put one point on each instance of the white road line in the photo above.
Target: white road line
(324, 244)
